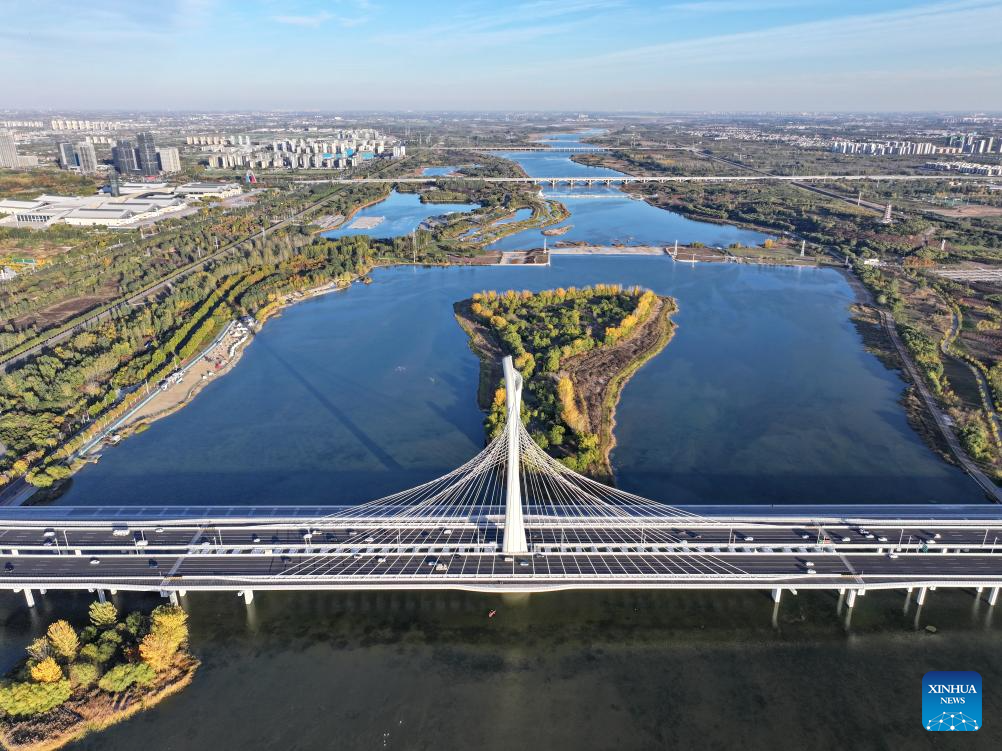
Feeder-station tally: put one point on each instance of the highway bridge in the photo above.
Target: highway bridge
(511, 519)
(573, 180)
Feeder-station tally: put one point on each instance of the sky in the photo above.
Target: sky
(578, 55)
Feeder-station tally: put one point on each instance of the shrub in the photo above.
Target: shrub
(120, 677)
(27, 699)
(83, 673)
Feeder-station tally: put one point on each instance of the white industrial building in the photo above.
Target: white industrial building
(140, 202)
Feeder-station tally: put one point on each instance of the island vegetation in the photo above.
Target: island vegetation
(77, 681)
(575, 348)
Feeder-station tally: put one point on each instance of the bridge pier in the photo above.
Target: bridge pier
(777, 594)
(100, 595)
(993, 596)
(248, 595)
(850, 601)
(29, 598)
(173, 598)
(920, 597)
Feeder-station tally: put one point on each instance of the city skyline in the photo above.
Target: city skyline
(724, 55)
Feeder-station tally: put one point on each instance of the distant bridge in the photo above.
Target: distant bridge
(630, 179)
(511, 519)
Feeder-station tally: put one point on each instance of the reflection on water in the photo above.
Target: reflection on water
(588, 670)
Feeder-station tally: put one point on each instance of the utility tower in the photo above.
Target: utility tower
(514, 524)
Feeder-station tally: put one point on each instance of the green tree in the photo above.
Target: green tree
(103, 614)
(83, 673)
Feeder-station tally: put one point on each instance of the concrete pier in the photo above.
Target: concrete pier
(777, 594)
(851, 599)
(993, 596)
(248, 596)
(920, 597)
(29, 598)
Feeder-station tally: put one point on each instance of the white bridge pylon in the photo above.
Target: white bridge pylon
(514, 521)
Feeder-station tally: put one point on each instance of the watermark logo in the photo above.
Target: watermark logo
(951, 700)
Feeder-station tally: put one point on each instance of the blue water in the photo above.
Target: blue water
(402, 213)
(520, 216)
(766, 394)
(606, 215)
(438, 170)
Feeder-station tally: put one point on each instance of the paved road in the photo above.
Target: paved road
(290, 552)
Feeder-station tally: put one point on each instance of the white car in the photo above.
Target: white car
(881, 539)
(892, 556)
(846, 539)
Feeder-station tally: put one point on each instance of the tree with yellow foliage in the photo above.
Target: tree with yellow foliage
(569, 411)
(47, 671)
(64, 639)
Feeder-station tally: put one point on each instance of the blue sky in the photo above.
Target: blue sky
(528, 54)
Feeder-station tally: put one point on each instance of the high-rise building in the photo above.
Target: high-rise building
(146, 153)
(170, 159)
(86, 157)
(67, 157)
(124, 156)
(8, 151)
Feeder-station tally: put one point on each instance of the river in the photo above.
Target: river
(766, 394)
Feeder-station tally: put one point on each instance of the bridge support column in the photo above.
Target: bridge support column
(777, 594)
(514, 525)
(183, 592)
(100, 595)
(993, 596)
(248, 596)
(173, 598)
(980, 590)
(920, 597)
(29, 598)
(113, 592)
(851, 599)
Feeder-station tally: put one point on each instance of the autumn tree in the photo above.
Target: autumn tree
(63, 639)
(47, 671)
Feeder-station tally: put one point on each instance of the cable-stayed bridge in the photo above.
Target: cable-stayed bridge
(511, 519)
